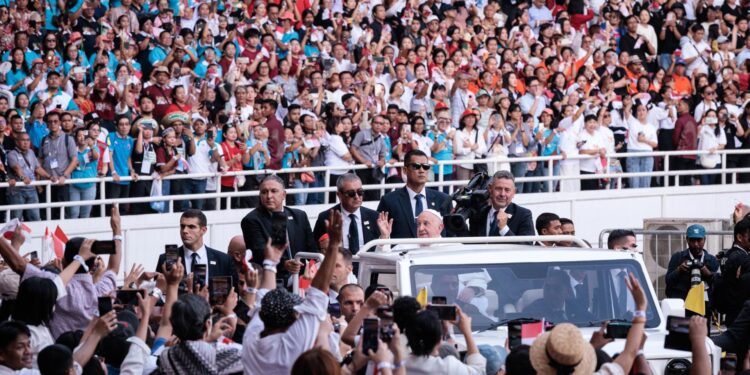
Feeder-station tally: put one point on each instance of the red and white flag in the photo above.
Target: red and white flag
(530, 331)
(54, 243)
(11, 226)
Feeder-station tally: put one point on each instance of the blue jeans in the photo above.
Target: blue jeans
(537, 186)
(640, 164)
(194, 186)
(76, 194)
(300, 198)
(317, 198)
(24, 196)
(710, 179)
(518, 170)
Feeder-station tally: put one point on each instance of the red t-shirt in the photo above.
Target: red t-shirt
(230, 150)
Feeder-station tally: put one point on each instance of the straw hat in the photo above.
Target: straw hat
(563, 347)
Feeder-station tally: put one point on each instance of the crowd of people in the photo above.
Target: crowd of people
(125, 89)
(71, 316)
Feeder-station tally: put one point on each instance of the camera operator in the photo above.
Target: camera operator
(502, 217)
(688, 266)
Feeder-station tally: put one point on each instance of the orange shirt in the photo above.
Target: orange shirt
(682, 86)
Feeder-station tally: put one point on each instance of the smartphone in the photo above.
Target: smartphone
(385, 314)
(678, 336)
(199, 275)
(79, 70)
(242, 310)
(129, 296)
(514, 334)
(34, 255)
(171, 255)
(728, 364)
(444, 312)
(439, 300)
(278, 229)
(105, 305)
(334, 309)
(103, 247)
(220, 289)
(617, 330)
(370, 332)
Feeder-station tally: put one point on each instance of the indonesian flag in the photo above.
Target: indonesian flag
(530, 331)
(11, 226)
(306, 280)
(55, 242)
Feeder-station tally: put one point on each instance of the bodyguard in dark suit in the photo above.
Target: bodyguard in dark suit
(405, 204)
(679, 269)
(193, 225)
(256, 225)
(360, 223)
(502, 217)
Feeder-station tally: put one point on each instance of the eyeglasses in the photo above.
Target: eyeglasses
(50, 40)
(425, 166)
(353, 193)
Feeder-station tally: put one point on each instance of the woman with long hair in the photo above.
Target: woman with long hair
(234, 156)
(641, 138)
(711, 138)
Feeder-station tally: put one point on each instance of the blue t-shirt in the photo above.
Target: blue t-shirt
(120, 148)
(553, 146)
(257, 161)
(288, 159)
(14, 77)
(444, 154)
(29, 56)
(157, 54)
(86, 169)
(37, 130)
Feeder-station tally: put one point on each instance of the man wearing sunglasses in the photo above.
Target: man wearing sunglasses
(360, 223)
(405, 204)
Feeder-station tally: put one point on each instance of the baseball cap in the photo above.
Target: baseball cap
(722, 39)
(483, 92)
(432, 18)
(696, 231)
(440, 106)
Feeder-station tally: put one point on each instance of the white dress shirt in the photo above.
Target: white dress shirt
(490, 216)
(202, 259)
(347, 220)
(413, 202)
(617, 280)
(275, 354)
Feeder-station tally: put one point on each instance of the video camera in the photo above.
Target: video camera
(469, 200)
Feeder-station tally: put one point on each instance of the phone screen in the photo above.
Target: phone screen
(678, 336)
(103, 247)
(199, 274)
(129, 296)
(105, 305)
(439, 300)
(618, 330)
(370, 332)
(34, 255)
(444, 312)
(220, 289)
(278, 229)
(171, 255)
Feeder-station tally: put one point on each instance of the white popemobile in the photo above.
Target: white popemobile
(497, 282)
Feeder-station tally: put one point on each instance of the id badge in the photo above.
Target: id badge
(53, 163)
(145, 167)
(519, 149)
(150, 157)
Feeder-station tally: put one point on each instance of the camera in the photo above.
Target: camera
(469, 200)
(695, 266)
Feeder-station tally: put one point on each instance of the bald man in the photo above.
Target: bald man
(237, 251)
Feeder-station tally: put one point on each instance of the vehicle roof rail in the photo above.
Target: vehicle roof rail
(470, 240)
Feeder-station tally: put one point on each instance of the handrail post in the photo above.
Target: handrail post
(723, 167)
(48, 199)
(666, 169)
(325, 184)
(102, 197)
(551, 175)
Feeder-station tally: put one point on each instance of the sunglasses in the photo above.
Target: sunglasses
(353, 193)
(425, 166)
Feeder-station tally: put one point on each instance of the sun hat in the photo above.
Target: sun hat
(563, 348)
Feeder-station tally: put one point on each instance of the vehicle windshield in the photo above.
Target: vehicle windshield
(582, 293)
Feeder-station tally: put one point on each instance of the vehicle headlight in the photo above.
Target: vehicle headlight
(677, 366)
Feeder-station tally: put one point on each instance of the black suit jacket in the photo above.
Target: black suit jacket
(520, 222)
(256, 229)
(219, 263)
(398, 206)
(370, 230)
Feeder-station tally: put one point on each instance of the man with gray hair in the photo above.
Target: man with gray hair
(360, 223)
(501, 217)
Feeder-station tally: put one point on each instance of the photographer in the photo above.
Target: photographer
(683, 264)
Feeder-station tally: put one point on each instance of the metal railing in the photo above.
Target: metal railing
(723, 171)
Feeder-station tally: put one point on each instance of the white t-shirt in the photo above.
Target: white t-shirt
(335, 150)
(701, 52)
(591, 142)
(635, 127)
(707, 139)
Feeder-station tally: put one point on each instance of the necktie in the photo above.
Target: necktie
(193, 261)
(418, 207)
(494, 230)
(353, 234)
